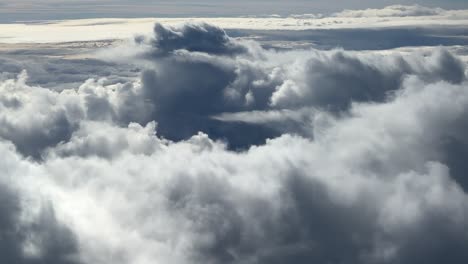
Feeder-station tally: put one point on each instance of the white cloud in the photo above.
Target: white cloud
(195, 201)
(369, 166)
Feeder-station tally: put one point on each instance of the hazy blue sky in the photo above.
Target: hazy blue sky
(11, 10)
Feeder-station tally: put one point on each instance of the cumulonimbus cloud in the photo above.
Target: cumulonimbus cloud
(188, 85)
(358, 159)
(196, 73)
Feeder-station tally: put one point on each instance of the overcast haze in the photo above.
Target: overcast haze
(59, 9)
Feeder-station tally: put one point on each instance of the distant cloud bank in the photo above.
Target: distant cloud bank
(388, 17)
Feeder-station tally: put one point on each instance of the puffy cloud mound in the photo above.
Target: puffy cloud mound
(193, 37)
(34, 118)
(347, 157)
(92, 139)
(335, 80)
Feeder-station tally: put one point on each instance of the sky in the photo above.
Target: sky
(339, 138)
(59, 9)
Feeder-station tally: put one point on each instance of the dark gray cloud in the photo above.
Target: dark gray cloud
(194, 37)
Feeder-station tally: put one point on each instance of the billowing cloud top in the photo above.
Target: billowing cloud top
(194, 37)
(223, 151)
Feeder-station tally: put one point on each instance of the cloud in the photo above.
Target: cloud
(92, 139)
(266, 116)
(336, 79)
(369, 188)
(60, 66)
(394, 11)
(183, 86)
(239, 155)
(357, 38)
(194, 37)
(396, 16)
(29, 230)
(34, 118)
(187, 88)
(296, 121)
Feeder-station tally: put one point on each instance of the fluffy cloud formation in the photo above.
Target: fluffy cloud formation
(196, 73)
(370, 188)
(345, 157)
(189, 85)
(34, 118)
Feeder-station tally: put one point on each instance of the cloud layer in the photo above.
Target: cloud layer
(225, 152)
(397, 11)
(396, 16)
